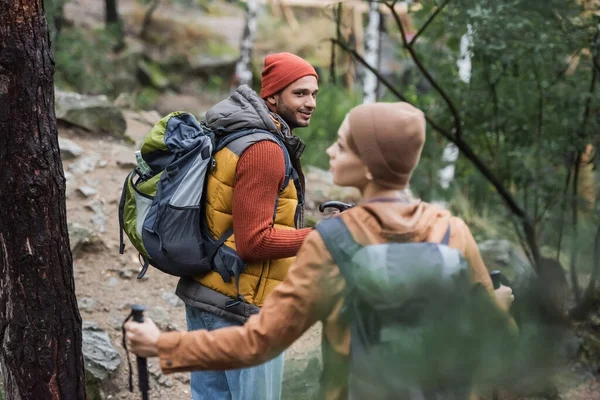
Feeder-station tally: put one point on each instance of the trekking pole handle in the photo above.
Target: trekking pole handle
(499, 279)
(495, 275)
(142, 364)
(338, 205)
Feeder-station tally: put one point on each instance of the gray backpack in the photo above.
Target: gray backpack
(417, 323)
(162, 203)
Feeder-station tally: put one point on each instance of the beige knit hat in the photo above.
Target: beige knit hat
(389, 138)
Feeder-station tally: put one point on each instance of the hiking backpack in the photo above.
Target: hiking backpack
(417, 322)
(162, 204)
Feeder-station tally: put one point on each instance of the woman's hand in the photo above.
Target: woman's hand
(142, 338)
(505, 297)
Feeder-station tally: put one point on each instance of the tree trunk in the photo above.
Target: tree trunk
(147, 22)
(55, 15)
(372, 53)
(112, 13)
(113, 24)
(40, 326)
(243, 68)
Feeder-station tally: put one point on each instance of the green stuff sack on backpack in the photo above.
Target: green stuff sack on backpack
(161, 209)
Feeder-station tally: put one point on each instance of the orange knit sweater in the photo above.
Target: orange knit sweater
(259, 176)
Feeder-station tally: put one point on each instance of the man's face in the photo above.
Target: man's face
(296, 103)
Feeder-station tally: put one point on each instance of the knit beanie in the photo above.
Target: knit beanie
(389, 138)
(280, 70)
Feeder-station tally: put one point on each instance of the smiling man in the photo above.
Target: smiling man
(255, 198)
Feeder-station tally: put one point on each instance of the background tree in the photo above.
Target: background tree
(40, 326)
(372, 40)
(55, 16)
(243, 67)
(114, 24)
(524, 118)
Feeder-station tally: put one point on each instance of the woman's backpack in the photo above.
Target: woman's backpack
(419, 327)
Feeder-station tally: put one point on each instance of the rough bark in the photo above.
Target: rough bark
(40, 326)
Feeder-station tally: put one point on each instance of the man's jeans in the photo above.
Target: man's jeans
(262, 382)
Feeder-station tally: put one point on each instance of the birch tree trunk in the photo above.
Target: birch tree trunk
(40, 326)
(372, 53)
(450, 154)
(243, 68)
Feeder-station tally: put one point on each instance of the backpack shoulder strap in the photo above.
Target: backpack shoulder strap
(340, 244)
(239, 141)
(446, 238)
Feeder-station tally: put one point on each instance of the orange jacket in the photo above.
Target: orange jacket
(312, 292)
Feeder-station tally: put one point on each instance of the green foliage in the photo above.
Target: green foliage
(54, 12)
(146, 98)
(333, 103)
(83, 61)
(523, 110)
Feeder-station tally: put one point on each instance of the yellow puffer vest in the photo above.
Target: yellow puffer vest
(259, 278)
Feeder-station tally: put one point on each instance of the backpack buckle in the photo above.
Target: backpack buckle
(235, 302)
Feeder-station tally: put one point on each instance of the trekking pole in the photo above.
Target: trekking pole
(497, 280)
(137, 312)
(496, 275)
(338, 205)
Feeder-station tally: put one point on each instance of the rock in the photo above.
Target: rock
(172, 299)
(206, 65)
(169, 102)
(182, 377)
(503, 255)
(84, 165)
(93, 113)
(171, 327)
(160, 316)
(86, 191)
(91, 326)
(79, 235)
(112, 281)
(98, 222)
(149, 117)
(69, 149)
(70, 181)
(127, 164)
(102, 164)
(321, 185)
(125, 306)
(164, 381)
(100, 357)
(126, 274)
(161, 379)
(86, 304)
(98, 218)
(150, 74)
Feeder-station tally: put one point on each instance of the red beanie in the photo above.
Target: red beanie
(280, 70)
